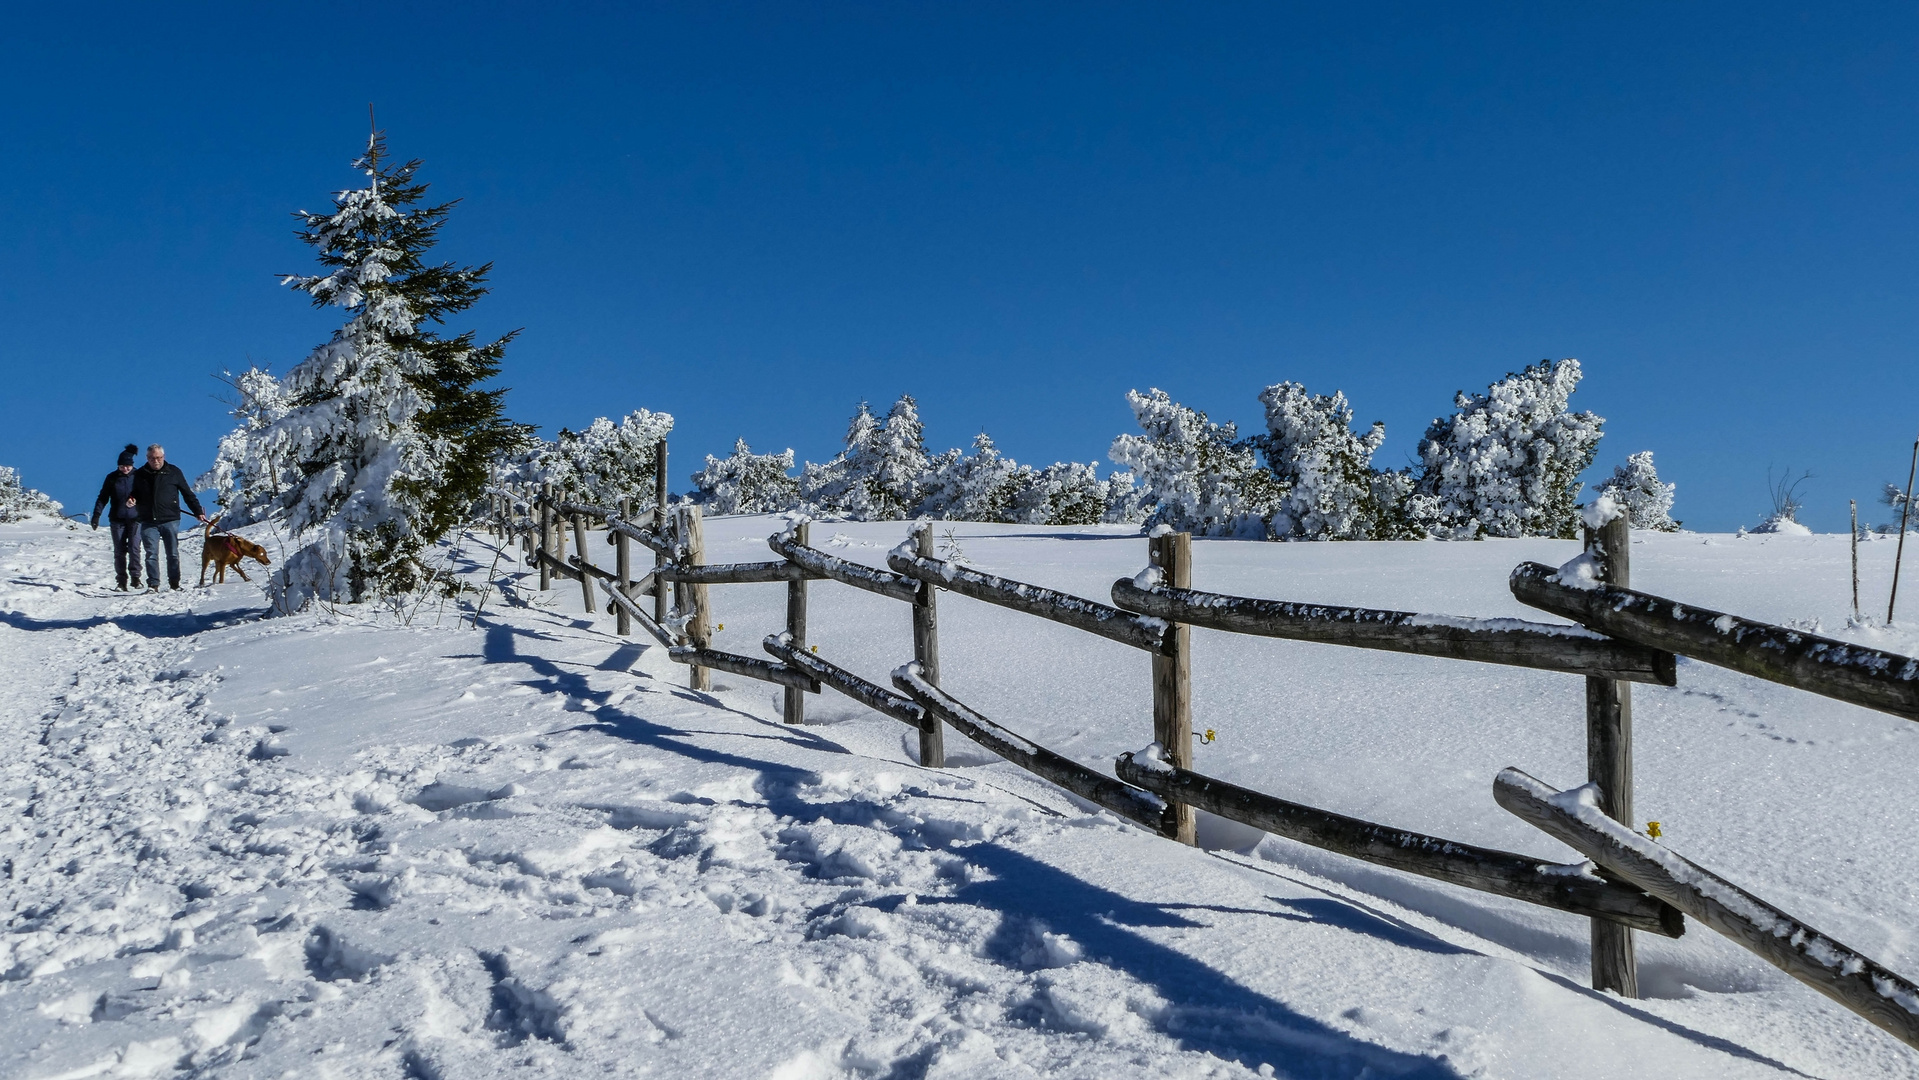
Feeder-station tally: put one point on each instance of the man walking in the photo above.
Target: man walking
(157, 490)
(123, 518)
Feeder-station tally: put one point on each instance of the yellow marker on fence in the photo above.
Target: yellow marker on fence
(1211, 735)
(1652, 829)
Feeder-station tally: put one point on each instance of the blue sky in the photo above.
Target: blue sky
(754, 216)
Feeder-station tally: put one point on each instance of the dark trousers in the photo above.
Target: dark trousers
(152, 535)
(126, 551)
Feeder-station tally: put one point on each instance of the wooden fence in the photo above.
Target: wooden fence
(1622, 637)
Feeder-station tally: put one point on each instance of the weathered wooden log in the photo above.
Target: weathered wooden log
(579, 558)
(750, 666)
(550, 566)
(1172, 556)
(649, 538)
(736, 573)
(1878, 680)
(575, 566)
(1536, 881)
(1139, 631)
(1514, 642)
(580, 509)
(871, 695)
(545, 548)
(1842, 974)
(1140, 807)
(622, 575)
(692, 599)
(1615, 962)
(631, 526)
(844, 571)
(646, 621)
(660, 556)
(926, 651)
(794, 711)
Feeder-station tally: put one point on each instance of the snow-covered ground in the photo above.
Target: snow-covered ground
(340, 847)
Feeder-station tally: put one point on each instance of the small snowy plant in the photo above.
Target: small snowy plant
(18, 502)
(1507, 462)
(1786, 505)
(747, 483)
(1324, 468)
(1197, 475)
(1635, 487)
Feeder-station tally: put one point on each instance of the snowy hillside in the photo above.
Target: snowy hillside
(322, 846)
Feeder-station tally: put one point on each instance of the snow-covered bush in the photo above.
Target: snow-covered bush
(1636, 489)
(1197, 475)
(18, 502)
(601, 465)
(747, 483)
(879, 474)
(247, 481)
(1507, 462)
(1324, 470)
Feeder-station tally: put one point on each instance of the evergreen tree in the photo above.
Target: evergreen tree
(979, 486)
(1507, 462)
(899, 462)
(839, 487)
(1636, 489)
(601, 465)
(245, 483)
(19, 502)
(386, 423)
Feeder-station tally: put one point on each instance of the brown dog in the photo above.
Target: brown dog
(227, 550)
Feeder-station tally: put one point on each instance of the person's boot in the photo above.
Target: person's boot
(122, 587)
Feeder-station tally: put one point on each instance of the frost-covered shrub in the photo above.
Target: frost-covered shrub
(1635, 488)
(1324, 470)
(1786, 505)
(747, 483)
(879, 474)
(1197, 475)
(18, 502)
(246, 480)
(1507, 462)
(601, 465)
(1063, 493)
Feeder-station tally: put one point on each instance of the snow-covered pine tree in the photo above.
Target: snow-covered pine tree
(1063, 493)
(1323, 468)
(1125, 500)
(1507, 462)
(1198, 476)
(385, 422)
(979, 486)
(246, 481)
(838, 488)
(899, 466)
(1635, 488)
(19, 502)
(747, 483)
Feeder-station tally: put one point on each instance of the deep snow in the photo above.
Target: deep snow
(331, 846)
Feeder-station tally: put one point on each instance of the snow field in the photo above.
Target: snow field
(318, 847)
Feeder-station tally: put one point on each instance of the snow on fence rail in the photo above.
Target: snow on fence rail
(1622, 637)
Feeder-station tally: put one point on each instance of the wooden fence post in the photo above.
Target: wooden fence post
(796, 627)
(546, 536)
(526, 535)
(659, 525)
(692, 598)
(1609, 760)
(579, 550)
(926, 651)
(623, 573)
(1173, 683)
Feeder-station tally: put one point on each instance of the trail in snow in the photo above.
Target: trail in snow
(322, 847)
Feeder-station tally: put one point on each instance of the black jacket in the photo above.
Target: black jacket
(114, 492)
(159, 493)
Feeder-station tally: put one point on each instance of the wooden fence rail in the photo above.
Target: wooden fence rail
(1622, 637)
(1835, 669)
(1842, 974)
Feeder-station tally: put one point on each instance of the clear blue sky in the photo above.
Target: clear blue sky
(755, 216)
